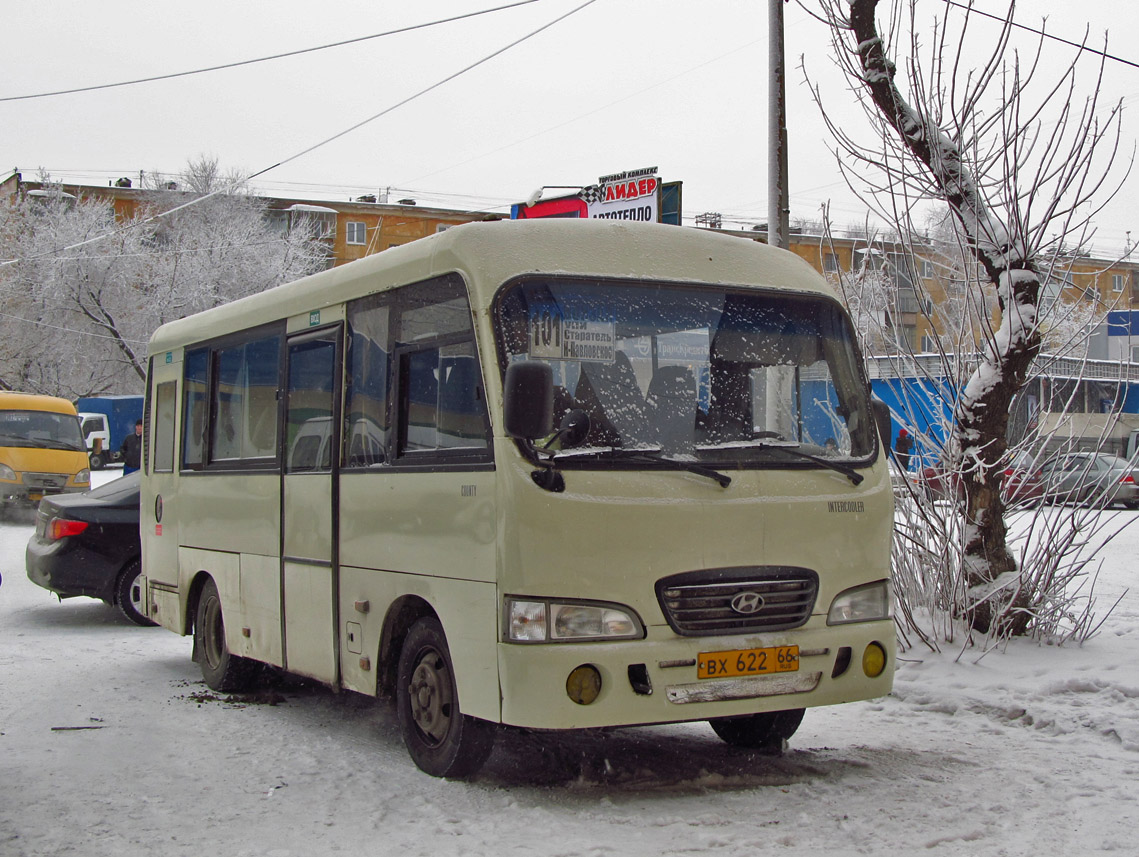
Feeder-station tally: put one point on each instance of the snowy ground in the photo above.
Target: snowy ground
(1034, 751)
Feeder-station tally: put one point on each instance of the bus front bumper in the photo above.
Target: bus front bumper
(655, 680)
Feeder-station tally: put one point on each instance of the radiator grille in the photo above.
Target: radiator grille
(47, 482)
(738, 600)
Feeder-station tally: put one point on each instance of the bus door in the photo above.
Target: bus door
(308, 497)
(159, 495)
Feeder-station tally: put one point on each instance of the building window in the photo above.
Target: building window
(830, 263)
(925, 269)
(928, 344)
(356, 232)
(1135, 353)
(1117, 282)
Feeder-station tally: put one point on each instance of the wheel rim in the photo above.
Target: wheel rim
(430, 696)
(134, 594)
(214, 633)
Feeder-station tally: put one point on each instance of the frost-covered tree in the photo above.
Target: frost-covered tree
(1021, 163)
(81, 292)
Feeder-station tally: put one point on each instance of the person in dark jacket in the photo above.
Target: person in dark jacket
(132, 449)
(902, 448)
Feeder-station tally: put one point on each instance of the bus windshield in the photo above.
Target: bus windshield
(712, 374)
(40, 429)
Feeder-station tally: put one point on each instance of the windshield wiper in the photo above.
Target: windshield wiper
(49, 443)
(849, 472)
(650, 455)
(14, 440)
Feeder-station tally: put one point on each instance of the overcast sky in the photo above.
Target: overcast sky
(620, 84)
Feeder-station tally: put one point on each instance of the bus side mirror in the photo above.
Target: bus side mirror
(882, 420)
(528, 400)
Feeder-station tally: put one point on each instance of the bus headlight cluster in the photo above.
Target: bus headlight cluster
(7, 472)
(866, 603)
(531, 621)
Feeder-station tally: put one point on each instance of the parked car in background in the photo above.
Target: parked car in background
(1089, 477)
(937, 483)
(1021, 482)
(88, 544)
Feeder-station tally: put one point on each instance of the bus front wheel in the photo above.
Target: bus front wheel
(222, 670)
(766, 731)
(440, 739)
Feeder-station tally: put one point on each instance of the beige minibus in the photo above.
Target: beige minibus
(547, 474)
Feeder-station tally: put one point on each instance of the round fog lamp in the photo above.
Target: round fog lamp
(583, 684)
(874, 660)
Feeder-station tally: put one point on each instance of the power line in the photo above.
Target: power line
(315, 146)
(592, 112)
(968, 7)
(424, 91)
(240, 63)
(33, 321)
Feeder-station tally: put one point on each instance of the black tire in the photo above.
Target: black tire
(441, 740)
(97, 461)
(129, 597)
(765, 731)
(222, 670)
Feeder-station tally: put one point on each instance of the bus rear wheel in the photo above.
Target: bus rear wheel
(766, 731)
(441, 740)
(222, 670)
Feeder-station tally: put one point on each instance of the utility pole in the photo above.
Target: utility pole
(778, 206)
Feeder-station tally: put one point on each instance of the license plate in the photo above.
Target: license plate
(742, 662)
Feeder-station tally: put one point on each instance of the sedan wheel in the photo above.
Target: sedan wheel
(129, 596)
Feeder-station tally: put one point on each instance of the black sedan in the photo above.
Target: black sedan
(88, 544)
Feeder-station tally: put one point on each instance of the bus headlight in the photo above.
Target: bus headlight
(7, 472)
(866, 603)
(530, 621)
(82, 476)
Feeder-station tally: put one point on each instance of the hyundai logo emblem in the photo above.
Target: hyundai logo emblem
(747, 603)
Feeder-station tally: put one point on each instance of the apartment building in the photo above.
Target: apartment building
(351, 229)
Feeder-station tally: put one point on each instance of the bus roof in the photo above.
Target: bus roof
(490, 253)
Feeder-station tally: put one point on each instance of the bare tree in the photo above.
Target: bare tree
(1021, 163)
(76, 321)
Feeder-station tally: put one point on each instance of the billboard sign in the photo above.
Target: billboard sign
(630, 195)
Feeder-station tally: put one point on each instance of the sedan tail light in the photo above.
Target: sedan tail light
(61, 528)
(1127, 480)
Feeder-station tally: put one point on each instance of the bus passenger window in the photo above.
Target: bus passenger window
(244, 401)
(195, 407)
(164, 404)
(366, 410)
(443, 404)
